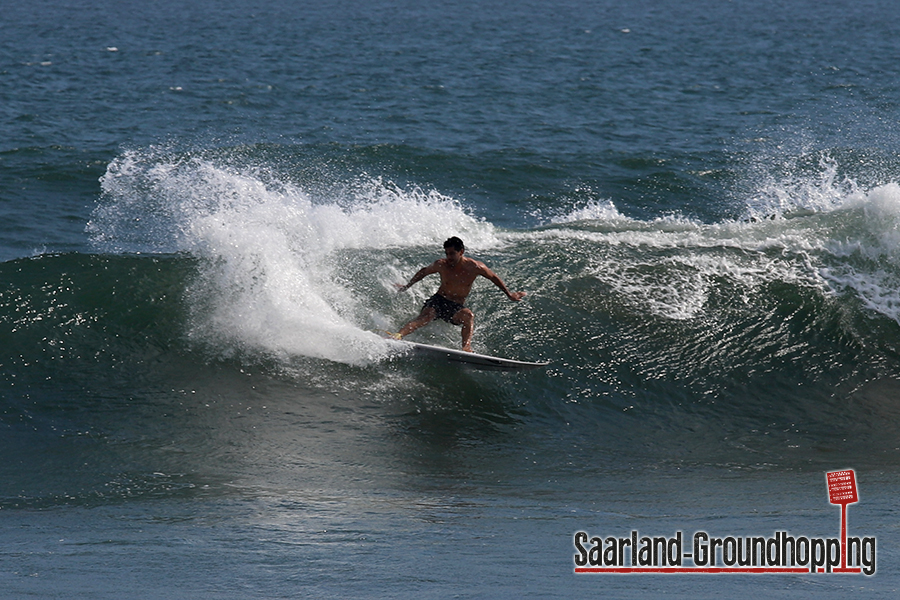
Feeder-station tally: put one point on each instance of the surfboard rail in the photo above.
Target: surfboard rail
(483, 361)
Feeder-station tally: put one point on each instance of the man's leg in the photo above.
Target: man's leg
(425, 317)
(466, 318)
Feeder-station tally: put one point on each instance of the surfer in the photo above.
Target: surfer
(458, 273)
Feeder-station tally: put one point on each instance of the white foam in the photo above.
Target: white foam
(865, 255)
(270, 278)
(827, 234)
(593, 210)
(800, 191)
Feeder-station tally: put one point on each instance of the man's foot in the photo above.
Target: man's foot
(467, 348)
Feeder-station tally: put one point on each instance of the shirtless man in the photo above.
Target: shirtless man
(458, 273)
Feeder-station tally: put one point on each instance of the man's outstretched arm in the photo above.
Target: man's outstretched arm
(419, 276)
(485, 272)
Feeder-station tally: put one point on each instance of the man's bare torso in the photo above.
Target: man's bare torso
(457, 280)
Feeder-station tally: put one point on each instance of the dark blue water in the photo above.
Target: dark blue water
(205, 208)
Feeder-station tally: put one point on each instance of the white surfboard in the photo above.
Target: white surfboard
(481, 361)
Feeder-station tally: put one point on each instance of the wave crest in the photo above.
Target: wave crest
(272, 275)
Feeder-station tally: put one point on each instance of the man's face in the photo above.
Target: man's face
(453, 256)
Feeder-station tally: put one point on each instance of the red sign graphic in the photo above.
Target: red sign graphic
(842, 487)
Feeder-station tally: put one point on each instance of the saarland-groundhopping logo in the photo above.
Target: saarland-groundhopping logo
(779, 553)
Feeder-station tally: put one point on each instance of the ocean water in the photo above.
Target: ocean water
(205, 207)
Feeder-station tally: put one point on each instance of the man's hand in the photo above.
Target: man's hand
(516, 296)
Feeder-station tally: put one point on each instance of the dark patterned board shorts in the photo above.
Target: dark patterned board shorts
(444, 308)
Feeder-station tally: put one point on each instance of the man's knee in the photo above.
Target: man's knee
(464, 316)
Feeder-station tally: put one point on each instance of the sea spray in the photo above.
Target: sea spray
(272, 276)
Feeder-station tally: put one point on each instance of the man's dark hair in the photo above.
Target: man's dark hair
(455, 243)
